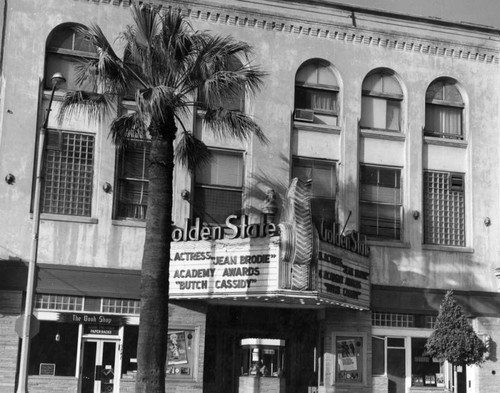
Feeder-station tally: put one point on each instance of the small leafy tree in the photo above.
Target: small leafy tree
(453, 338)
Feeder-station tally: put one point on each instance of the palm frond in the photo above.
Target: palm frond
(234, 124)
(147, 24)
(128, 126)
(157, 101)
(191, 152)
(79, 102)
(106, 70)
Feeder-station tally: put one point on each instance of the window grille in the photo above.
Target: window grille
(444, 209)
(121, 306)
(380, 202)
(68, 174)
(392, 319)
(59, 302)
(80, 303)
(430, 321)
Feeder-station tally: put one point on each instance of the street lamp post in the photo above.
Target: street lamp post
(22, 386)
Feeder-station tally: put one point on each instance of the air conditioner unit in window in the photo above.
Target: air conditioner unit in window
(304, 115)
(456, 182)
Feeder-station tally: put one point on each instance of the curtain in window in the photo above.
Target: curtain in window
(443, 120)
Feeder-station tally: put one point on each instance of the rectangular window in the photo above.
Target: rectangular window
(380, 113)
(324, 186)
(443, 121)
(219, 187)
(425, 371)
(53, 350)
(444, 208)
(378, 355)
(380, 202)
(68, 174)
(132, 180)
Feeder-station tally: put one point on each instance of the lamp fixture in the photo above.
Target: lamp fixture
(10, 179)
(57, 79)
(107, 187)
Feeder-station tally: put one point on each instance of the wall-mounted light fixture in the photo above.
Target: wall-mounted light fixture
(487, 221)
(10, 179)
(416, 214)
(57, 337)
(185, 195)
(107, 187)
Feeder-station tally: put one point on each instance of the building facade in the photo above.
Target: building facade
(313, 263)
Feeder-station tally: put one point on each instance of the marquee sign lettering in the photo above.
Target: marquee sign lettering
(231, 230)
(224, 268)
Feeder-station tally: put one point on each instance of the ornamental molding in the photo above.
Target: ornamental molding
(343, 30)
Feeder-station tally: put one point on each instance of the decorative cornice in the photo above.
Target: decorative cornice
(244, 17)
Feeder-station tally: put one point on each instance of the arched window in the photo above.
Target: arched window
(381, 101)
(316, 93)
(64, 47)
(444, 108)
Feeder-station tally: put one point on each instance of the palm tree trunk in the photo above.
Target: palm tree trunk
(153, 326)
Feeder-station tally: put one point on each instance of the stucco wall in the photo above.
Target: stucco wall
(283, 39)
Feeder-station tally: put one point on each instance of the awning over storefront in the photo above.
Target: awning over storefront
(72, 280)
(427, 301)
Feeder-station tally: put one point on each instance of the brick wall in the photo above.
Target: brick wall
(342, 321)
(10, 309)
(52, 384)
(488, 375)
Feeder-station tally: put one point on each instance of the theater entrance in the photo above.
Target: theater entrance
(226, 358)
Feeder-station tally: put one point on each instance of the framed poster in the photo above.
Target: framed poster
(350, 359)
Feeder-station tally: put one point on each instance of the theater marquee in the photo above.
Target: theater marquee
(220, 268)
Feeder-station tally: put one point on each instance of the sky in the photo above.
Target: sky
(482, 12)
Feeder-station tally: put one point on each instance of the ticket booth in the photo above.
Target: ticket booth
(262, 366)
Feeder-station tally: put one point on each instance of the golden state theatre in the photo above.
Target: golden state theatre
(286, 303)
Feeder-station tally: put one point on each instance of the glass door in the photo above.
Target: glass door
(99, 366)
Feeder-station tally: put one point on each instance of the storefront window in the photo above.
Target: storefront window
(53, 350)
(129, 359)
(350, 359)
(425, 370)
(181, 356)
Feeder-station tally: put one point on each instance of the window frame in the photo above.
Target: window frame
(88, 208)
(378, 203)
(444, 104)
(388, 97)
(309, 88)
(197, 186)
(446, 228)
(119, 178)
(322, 163)
(69, 55)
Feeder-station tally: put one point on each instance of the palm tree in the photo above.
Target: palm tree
(168, 65)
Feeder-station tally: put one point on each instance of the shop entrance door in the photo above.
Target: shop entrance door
(98, 371)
